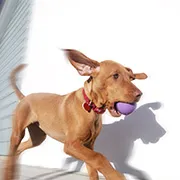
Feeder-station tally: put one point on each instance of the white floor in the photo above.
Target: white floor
(39, 173)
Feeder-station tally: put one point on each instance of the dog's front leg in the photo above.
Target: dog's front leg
(93, 159)
(92, 172)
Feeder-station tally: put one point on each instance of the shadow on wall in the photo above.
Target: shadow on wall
(116, 140)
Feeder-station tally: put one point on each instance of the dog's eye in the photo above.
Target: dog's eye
(116, 76)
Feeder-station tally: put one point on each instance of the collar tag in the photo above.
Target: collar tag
(87, 107)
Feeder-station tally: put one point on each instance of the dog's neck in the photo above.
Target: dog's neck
(88, 105)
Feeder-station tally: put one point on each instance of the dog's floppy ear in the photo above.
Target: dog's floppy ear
(137, 75)
(84, 65)
(140, 76)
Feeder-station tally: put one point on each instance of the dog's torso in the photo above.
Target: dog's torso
(64, 112)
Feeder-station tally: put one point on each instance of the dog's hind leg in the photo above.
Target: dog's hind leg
(10, 167)
(37, 136)
(20, 120)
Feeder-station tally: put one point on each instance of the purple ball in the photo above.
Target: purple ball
(125, 108)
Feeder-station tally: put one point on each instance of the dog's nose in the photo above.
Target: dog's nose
(138, 93)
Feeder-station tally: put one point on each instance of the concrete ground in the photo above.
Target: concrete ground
(39, 173)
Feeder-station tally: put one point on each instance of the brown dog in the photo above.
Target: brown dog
(74, 119)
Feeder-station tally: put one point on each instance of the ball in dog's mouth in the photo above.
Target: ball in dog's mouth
(125, 108)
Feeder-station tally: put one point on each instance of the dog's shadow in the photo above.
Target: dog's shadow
(116, 140)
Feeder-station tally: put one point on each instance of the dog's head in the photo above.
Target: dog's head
(109, 81)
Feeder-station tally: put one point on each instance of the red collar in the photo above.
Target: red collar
(88, 105)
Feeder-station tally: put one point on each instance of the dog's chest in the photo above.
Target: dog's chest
(93, 132)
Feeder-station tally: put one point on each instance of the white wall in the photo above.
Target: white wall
(143, 35)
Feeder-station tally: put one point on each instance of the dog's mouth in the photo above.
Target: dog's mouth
(113, 111)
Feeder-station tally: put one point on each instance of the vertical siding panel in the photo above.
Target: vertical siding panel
(13, 45)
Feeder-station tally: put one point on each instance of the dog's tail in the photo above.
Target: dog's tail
(19, 94)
